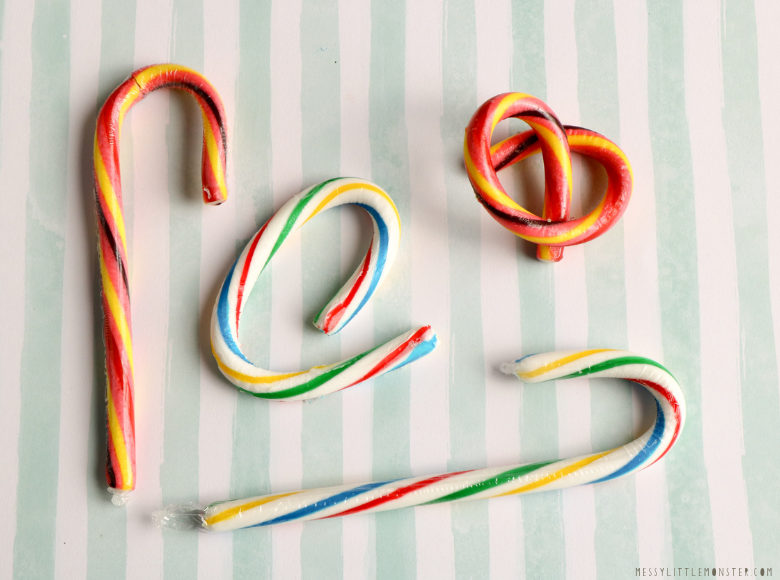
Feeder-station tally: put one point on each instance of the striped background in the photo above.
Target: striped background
(383, 90)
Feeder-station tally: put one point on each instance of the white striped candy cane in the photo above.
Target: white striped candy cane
(479, 483)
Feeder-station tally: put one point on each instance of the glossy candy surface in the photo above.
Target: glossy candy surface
(554, 229)
(357, 291)
(112, 245)
(479, 483)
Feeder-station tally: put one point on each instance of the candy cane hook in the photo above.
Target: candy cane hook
(239, 282)
(112, 245)
(480, 483)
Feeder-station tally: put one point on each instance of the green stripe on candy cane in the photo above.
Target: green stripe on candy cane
(613, 363)
(499, 479)
(296, 212)
(312, 384)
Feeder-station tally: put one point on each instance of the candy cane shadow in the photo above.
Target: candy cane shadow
(97, 431)
(97, 434)
(185, 177)
(112, 521)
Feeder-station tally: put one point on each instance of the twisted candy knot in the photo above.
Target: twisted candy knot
(553, 230)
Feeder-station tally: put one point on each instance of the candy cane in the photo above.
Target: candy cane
(358, 290)
(553, 230)
(112, 245)
(480, 483)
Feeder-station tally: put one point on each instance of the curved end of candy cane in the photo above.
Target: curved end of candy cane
(550, 366)
(119, 497)
(181, 517)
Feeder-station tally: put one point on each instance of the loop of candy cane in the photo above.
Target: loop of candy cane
(373, 269)
(553, 230)
(480, 483)
(112, 245)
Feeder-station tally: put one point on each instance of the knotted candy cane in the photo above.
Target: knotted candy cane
(479, 483)
(112, 245)
(358, 290)
(553, 230)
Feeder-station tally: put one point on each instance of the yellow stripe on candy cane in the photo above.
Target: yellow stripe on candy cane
(117, 313)
(106, 190)
(562, 361)
(601, 143)
(542, 481)
(545, 253)
(505, 103)
(348, 187)
(573, 233)
(133, 95)
(563, 158)
(233, 512)
(252, 379)
(498, 196)
(215, 160)
(486, 187)
(149, 73)
(117, 437)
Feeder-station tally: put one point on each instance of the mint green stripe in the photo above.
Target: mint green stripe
(611, 401)
(467, 369)
(689, 499)
(179, 473)
(107, 525)
(253, 196)
(396, 546)
(758, 365)
(545, 552)
(39, 430)
(321, 436)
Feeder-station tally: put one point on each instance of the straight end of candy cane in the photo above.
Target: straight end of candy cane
(214, 195)
(516, 368)
(549, 253)
(181, 517)
(119, 497)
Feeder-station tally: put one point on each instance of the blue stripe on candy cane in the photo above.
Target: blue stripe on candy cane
(222, 315)
(419, 351)
(646, 452)
(380, 262)
(325, 503)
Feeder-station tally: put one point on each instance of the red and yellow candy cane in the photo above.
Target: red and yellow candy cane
(112, 244)
(553, 230)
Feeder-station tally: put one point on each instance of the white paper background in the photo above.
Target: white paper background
(384, 91)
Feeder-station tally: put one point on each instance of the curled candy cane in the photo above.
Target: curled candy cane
(358, 290)
(112, 245)
(554, 229)
(480, 483)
